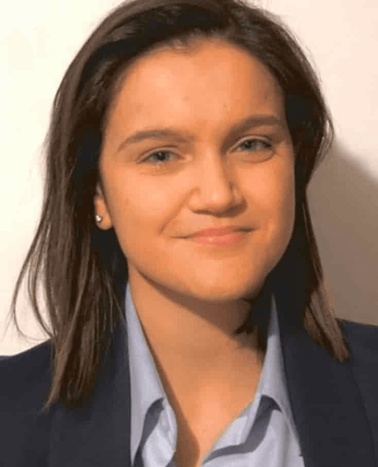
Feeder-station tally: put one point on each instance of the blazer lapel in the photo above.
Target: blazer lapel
(99, 434)
(326, 403)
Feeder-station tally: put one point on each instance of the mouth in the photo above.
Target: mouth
(227, 239)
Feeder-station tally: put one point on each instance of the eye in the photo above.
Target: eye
(257, 145)
(160, 159)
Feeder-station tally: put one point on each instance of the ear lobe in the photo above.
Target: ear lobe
(101, 209)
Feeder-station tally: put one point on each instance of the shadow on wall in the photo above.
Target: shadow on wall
(343, 199)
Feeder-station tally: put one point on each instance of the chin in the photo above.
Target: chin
(223, 290)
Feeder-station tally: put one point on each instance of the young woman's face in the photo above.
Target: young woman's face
(209, 171)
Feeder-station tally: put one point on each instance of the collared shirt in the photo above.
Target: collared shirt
(264, 433)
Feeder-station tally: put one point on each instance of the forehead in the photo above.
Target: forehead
(211, 80)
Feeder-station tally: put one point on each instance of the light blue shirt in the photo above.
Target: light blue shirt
(264, 434)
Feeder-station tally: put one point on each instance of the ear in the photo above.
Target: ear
(101, 209)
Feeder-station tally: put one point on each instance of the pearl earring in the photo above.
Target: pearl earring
(98, 218)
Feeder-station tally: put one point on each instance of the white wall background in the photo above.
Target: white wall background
(38, 40)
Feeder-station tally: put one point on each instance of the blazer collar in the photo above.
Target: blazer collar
(97, 435)
(326, 404)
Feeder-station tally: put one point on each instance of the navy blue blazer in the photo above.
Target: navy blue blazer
(335, 405)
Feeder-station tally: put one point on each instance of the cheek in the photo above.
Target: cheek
(271, 200)
(280, 210)
(140, 212)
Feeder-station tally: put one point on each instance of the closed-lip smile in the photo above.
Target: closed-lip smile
(219, 231)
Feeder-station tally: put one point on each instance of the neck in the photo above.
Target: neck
(190, 339)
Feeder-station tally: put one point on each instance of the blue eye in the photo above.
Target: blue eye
(257, 144)
(159, 160)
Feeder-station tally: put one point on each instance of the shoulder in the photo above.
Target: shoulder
(25, 378)
(362, 342)
(362, 339)
(25, 383)
(30, 370)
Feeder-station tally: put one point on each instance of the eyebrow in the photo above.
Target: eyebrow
(169, 132)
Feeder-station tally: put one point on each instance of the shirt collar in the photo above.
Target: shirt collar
(146, 386)
(273, 381)
(145, 382)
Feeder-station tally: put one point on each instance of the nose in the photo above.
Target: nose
(216, 188)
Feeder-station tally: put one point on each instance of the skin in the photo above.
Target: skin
(188, 295)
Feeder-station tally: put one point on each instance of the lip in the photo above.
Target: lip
(219, 231)
(223, 236)
(229, 239)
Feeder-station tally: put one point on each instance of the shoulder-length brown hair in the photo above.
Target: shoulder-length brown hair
(82, 269)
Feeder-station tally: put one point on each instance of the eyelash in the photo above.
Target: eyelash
(267, 146)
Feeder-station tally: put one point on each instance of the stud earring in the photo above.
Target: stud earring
(98, 218)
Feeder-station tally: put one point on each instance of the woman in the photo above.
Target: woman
(190, 323)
